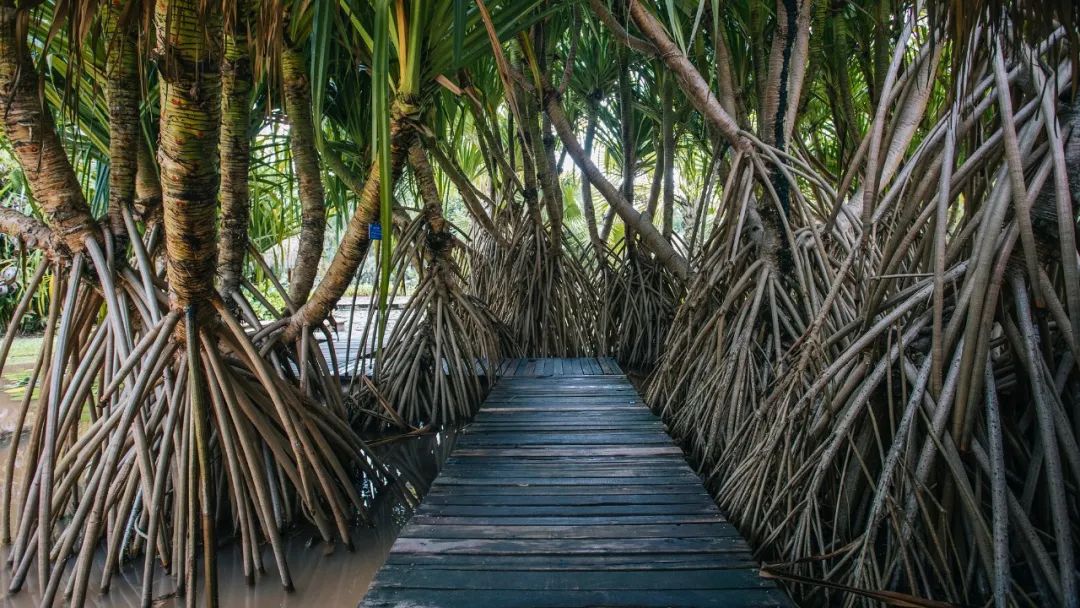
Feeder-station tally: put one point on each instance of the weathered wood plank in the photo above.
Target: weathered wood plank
(568, 500)
(563, 489)
(633, 536)
(580, 580)
(584, 520)
(562, 481)
(560, 469)
(557, 562)
(570, 546)
(386, 598)
(556, 510)
(583, 451)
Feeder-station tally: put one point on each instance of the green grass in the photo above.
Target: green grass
(24, 352)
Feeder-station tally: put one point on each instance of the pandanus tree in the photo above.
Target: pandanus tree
(192, 432)
(865, 391)
(447, 344)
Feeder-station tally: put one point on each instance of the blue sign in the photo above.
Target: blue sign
(374, 231)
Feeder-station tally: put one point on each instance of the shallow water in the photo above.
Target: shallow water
(324, 577)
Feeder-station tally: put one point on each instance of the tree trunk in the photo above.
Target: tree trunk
(587, 207)
(355, 243)
(650, 237)
(190, 63)
(189, 51)
(306, 164)
(429, 193)
(32, 233)
(235, 155)
(626, 135)
(668, 127)
(122, 65)
(787, 69)
(147, 184)
(30, 131)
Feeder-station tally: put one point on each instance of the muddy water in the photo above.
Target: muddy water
(324, 577)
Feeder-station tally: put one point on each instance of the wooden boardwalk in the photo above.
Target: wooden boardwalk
(566, 491)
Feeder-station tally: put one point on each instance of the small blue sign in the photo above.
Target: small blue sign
(374, 231)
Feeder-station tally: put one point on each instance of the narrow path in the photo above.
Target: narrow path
(566, 491)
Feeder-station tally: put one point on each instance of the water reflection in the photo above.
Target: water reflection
(325, 577)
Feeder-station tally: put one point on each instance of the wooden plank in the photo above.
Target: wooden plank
(605, 365)
(634, 538)
(610, 561)
(616, 369)
(565, 381)
(614, 426)
(555, 510)
(570, 546)
(570, 451)
(579, 390)
(517, 439)
(610, 461)
(460, 598)
(563, 489)
(582, 414)
(562, 481)
(583, 580)
(584, 520)
(488, 469)
(594, 366)
(566, 500)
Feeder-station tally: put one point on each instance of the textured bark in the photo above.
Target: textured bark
(31, 132)
(122, 74)
(32, 233)
(587, 207)
(626, 134)
(787, 70)
(548, 168)
(147, 183)
(650, 237)
(189, 63)
(656, 185)
(725, 80)
(306, 165)
(528, 135)
(235, 156)
(439, 239)
(668, 164)
(355, 243)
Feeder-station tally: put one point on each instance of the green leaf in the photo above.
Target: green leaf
(380, 118)
(322, 35)
(459, 30)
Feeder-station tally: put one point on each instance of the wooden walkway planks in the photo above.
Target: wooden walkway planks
(566, 491)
